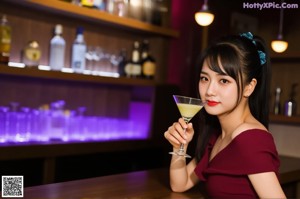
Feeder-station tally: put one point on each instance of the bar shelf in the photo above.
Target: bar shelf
(282, 119)
(57, 75)
(101, 17)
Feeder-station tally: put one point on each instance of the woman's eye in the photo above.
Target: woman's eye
(224, 81)
(203, 79)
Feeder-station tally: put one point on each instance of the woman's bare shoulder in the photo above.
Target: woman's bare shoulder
(248, 126)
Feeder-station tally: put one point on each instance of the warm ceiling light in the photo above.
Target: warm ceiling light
(279, 45)
(204, 17)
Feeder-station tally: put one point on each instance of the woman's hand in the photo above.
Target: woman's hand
(176, 133)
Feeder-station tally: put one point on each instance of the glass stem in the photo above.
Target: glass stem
(181, 149)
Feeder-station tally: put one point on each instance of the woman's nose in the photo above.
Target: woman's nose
(211, 90)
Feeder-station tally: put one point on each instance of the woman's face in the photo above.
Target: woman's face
(220, 91)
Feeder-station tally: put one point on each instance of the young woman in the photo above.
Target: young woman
(235, 155)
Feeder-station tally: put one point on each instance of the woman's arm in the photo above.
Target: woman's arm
(182, 176)
(267, 185)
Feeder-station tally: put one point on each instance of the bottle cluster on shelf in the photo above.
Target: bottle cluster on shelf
(85, 59)
(90, 60)
(55, 123)
(141, 63)
(290, 105)
(150, 11)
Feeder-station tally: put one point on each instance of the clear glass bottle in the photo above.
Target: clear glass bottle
(57, 49)
(78, 52)
(5, 40)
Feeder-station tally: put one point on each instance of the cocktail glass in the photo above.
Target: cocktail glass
(188, 108)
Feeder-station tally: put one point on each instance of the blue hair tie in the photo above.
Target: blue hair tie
(262, 55)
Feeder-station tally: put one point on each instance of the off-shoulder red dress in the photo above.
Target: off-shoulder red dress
(225, 176)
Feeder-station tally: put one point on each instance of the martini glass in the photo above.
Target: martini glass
(188, 108)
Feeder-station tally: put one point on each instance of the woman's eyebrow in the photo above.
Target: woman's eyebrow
(203, 72)
(219, 74)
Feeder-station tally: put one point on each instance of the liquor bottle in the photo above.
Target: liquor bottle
(290, 106)
(78, 52)
(122, 62)
(31, 54)
(87, 3)
(5, 40)
(133, 68)
(148, 62)
(57, 49)
(277, 104)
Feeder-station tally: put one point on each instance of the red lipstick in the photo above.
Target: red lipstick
(212, 103)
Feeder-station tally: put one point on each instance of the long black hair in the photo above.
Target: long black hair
(241, 58)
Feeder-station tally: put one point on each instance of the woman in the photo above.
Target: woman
(235, 155)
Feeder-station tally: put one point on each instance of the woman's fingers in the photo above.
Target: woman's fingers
(182, 123)
(173, 140)
(176, 134)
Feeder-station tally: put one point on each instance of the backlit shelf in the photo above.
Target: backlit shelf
(105, 18)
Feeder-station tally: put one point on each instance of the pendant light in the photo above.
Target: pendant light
(279, 45)
(204, 17)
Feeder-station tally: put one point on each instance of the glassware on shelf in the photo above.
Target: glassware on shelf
(160, 13)
(45, 120)
(122, 58)
(24, 121)
(118, 7)
(82, 131)
(97, 55)
(36, 132)
(135, 9)
(57, 120)
(59, 124)
(89, 58)
(69, 125)
(13, 125)
(3, 123)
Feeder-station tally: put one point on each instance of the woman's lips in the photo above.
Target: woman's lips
(212, 103)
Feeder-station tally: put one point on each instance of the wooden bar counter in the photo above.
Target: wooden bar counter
(138, 185)
(135, 185)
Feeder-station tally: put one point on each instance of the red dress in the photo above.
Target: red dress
(225, 176)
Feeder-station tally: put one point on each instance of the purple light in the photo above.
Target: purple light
(69, 128)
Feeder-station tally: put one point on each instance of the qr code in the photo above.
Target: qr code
(12, 186)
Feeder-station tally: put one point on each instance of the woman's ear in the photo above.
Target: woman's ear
(249, 88)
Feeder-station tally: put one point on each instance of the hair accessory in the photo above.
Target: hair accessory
(249, 36)
(262, 55)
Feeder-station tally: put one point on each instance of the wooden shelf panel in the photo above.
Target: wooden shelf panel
(281, 119)
(55, 75)
(72, 10)
(293, 56)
